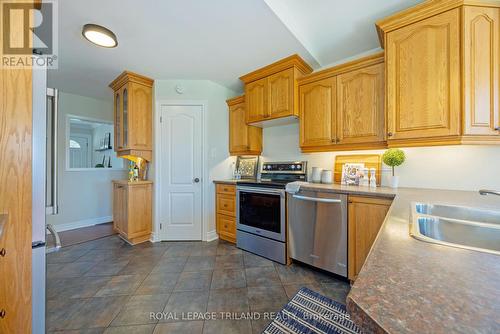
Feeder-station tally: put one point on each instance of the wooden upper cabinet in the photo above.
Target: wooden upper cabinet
(133, 115)
(360, 105)
(281, 88)
(423, 78)
(481, 70)
(317, 113)
(271, 92)
(256, 101)
(443, 74)
(342, 108)
(243, 139)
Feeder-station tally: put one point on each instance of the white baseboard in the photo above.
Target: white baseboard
(212, 235)
(82, 223)
(154, 238)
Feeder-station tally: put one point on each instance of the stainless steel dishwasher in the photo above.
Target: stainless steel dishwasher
(317, 229)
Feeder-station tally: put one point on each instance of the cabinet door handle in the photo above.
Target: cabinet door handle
(3, 252)
(2, 313)
(389, 134)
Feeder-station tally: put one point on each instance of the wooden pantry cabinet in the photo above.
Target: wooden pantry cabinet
(133, 115)
(342, 108)
(132, 210)
(442, 60)
(271, 92)
(225, 199)
(243, 139)
(365, 217)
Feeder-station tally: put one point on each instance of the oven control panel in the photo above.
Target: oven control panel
(298, 167)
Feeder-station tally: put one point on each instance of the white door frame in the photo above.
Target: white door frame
(157, 234)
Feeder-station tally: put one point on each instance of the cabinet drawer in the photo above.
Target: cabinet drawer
(226, 204)
(226, 225)
(226, 189)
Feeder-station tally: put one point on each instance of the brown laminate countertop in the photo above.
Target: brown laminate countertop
(410, 286)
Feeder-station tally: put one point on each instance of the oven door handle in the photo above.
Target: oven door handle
(315, 199)
(270, 191)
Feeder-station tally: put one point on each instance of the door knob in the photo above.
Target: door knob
(196, 180)
(2, 252)
(2, 314)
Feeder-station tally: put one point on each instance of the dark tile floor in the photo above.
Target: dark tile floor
(107, 286)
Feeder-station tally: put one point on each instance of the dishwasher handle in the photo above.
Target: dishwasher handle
(316, 199)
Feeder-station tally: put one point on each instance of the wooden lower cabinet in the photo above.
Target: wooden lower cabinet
(226, 211)
(132, 210)
(365, 217)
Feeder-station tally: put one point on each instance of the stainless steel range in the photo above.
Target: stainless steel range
(261, 209)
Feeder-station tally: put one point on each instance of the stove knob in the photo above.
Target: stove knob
(293, 166)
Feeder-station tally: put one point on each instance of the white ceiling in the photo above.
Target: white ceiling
(216, 40)
(332, 30)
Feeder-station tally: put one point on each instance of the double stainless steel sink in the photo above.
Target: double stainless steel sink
(456, 226)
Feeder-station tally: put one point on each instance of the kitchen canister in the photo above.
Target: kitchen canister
(316, 174)
(327, 176)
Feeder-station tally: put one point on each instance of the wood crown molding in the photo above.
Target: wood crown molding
(374, 59)
(235, 100)
(128, 76)
(422, 11)
(280, 65)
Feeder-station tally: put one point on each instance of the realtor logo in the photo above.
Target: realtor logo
(29, 34)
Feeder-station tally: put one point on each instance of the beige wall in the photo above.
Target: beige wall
(85, 197)
(218, 161)
(445, 167)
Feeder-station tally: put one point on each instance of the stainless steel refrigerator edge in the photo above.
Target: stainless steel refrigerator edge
(39, 203)
(44, 188)
(317, 230)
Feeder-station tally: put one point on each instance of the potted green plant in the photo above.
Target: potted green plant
(394, 157)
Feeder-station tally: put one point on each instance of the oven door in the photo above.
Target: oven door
(261, 211)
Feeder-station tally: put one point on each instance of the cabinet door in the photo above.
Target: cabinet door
(243, 138)
(365, 217)
(117, 126)
(256, 100)
(281, 93)
(139, 211)
(238, 129)
(360, 105)
(118, 207)
(140, 116)
(423, 78)
(317, 113)
(481, 70)
(125, 116)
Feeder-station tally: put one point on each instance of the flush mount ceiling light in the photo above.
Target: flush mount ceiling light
(99, 35)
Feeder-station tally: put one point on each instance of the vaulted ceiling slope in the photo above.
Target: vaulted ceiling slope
(332, 30)
(216, 40)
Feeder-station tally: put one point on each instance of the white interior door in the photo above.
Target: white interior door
(180, 205)
(80, 155)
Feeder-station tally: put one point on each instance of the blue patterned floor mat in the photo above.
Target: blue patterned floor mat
(310, 312)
